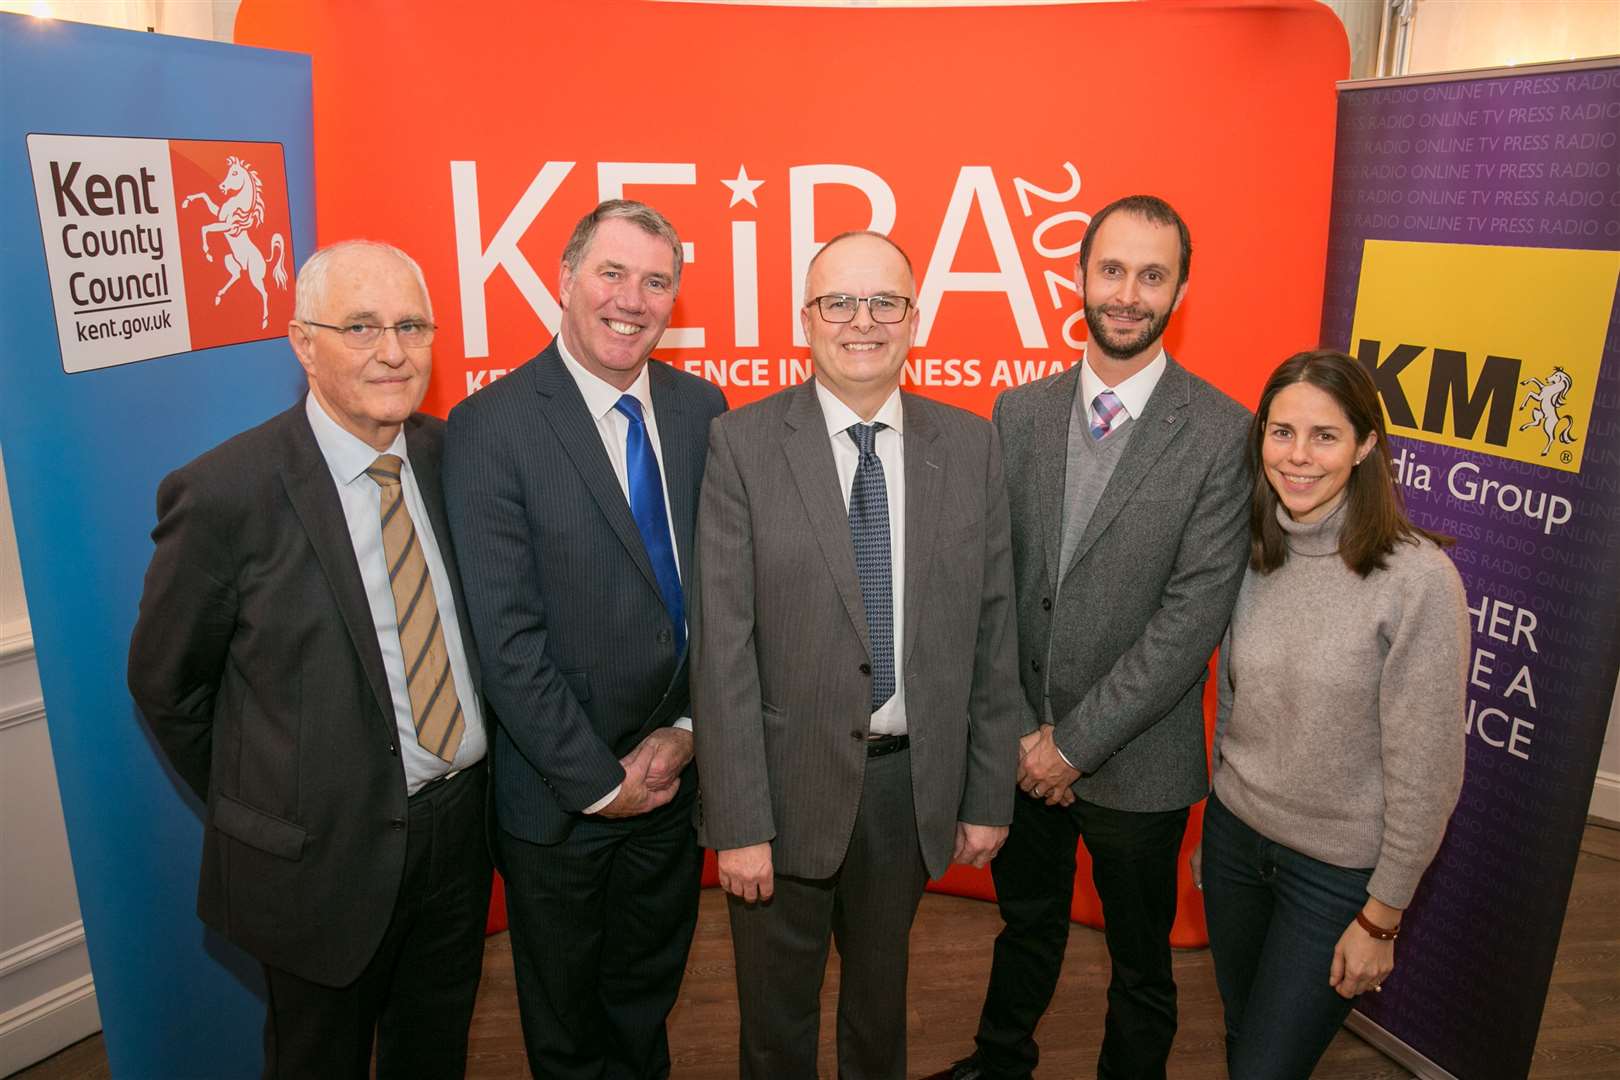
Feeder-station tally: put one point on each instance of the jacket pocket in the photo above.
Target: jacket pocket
(580, 683)
(257, 829)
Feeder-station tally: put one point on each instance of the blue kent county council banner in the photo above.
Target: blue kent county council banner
(156, 194)
(1472, 268)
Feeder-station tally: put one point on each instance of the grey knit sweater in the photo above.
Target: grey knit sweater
(1340, 727)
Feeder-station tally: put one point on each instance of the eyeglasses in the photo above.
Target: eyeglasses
(411, 334)
(841, 308)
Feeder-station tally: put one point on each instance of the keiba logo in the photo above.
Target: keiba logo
(241, 212)
(1443, 330)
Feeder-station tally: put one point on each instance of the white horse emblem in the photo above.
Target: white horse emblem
(1544, 400)
(241, 210)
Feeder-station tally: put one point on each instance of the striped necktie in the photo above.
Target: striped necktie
(435, 709)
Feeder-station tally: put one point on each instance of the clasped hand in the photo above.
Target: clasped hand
(652, 773)
(1042, 772)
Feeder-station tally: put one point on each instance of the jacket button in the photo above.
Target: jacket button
(1035, 665)
(1046, 603)
(857, 734)
(664, 637)
(866, 669)
(393, 749)
(397, 824)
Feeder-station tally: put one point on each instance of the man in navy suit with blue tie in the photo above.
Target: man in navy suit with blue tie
(572, 488)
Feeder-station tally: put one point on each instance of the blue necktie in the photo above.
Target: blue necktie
(869, 529)
(652, 520)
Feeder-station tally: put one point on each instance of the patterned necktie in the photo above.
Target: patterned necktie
(1106, 411)
(435, 709)
(869, 528)
(652, 520)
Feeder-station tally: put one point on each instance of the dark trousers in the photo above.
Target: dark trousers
(1133, 858)
(601, 925)
(1275, 916)
(415, 997)
(867, 908)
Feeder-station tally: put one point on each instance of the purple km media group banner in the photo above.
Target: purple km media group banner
(1472, 267)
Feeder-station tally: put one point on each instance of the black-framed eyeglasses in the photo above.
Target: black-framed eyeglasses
(842, 308)
(411, 334)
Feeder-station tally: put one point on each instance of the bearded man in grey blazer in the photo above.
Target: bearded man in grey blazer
(855, 698)
(1129, 495)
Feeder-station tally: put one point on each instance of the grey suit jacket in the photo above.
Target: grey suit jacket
(1149, 591)
(781, 684)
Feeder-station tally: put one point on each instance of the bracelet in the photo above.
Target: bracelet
(1376, 932)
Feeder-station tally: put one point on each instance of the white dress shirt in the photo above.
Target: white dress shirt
(890, 447)
(1133, 393)
(348, 458)
(613, 427)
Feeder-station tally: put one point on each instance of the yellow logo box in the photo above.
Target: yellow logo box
(1494, 349)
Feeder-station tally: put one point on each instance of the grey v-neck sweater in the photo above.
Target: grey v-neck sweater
(1340, 727)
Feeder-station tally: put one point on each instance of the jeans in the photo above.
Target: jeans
(1274, 916)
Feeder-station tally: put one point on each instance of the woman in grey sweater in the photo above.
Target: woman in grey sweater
(1339, 737)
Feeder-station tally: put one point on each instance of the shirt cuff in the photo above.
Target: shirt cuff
(1061, 754)
(604, 800)
(683, 724)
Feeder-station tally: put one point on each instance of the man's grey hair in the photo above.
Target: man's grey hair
(640, 215)
(311, 289)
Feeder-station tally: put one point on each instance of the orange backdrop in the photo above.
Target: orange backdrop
(982, 139)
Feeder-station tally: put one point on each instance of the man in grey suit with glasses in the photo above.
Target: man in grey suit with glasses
(856, 706)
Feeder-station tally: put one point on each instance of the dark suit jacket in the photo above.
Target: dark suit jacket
(255, 660)
(579, 655)
(781, 682)
(1150, 589)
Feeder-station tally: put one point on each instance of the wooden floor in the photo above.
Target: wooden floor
(1580, 1032)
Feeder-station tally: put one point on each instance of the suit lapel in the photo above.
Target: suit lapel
(810, 457)
(314, 499)
(924, 475)
(1158, 426)
(564, 409)
(1053, 414)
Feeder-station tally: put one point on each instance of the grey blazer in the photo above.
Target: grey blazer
(1150, 589)
(781, 685)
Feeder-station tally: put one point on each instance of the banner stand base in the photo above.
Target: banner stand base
(1394, 1049)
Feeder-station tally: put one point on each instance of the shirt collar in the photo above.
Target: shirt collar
(599, 394)
(840, 416)
(347, 456)
(1133, 393)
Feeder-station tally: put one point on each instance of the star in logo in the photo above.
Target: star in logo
(742, 188)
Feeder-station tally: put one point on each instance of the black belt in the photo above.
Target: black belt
(878, 745)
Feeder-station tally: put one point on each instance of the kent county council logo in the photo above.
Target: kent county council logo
(242, 210)
(142, 259)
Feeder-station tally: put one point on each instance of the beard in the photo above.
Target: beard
(1124, 346)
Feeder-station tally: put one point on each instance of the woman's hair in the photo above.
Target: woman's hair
(1375, 519)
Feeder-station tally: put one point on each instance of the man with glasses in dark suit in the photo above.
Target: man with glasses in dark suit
(302, 656)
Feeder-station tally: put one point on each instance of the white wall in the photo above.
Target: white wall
(1456, 35)
(47, 998)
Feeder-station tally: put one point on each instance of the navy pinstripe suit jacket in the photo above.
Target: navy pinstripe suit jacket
(578, 652)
